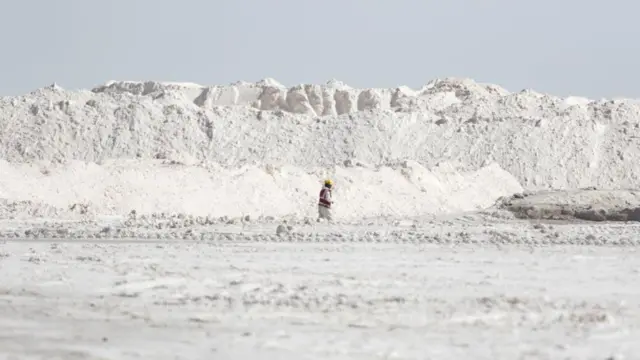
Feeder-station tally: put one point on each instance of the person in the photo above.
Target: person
(325, 201)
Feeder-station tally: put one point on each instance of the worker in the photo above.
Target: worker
(324, 204)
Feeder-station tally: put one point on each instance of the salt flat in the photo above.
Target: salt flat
(464, 289)
(316, 301)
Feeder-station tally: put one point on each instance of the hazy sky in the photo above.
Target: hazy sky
(566, 47)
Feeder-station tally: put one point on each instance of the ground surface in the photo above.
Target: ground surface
(454, 288)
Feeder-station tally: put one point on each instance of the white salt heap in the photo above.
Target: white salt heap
(262, 149)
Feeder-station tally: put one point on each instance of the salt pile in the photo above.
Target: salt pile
(262, 148)
(587, 204)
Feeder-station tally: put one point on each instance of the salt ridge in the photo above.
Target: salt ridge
(118, 187)
(456, 133)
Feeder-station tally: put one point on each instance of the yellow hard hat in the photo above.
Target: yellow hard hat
(328, 182)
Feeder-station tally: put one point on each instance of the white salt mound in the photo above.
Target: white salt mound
(263, 148)
(147, 186)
